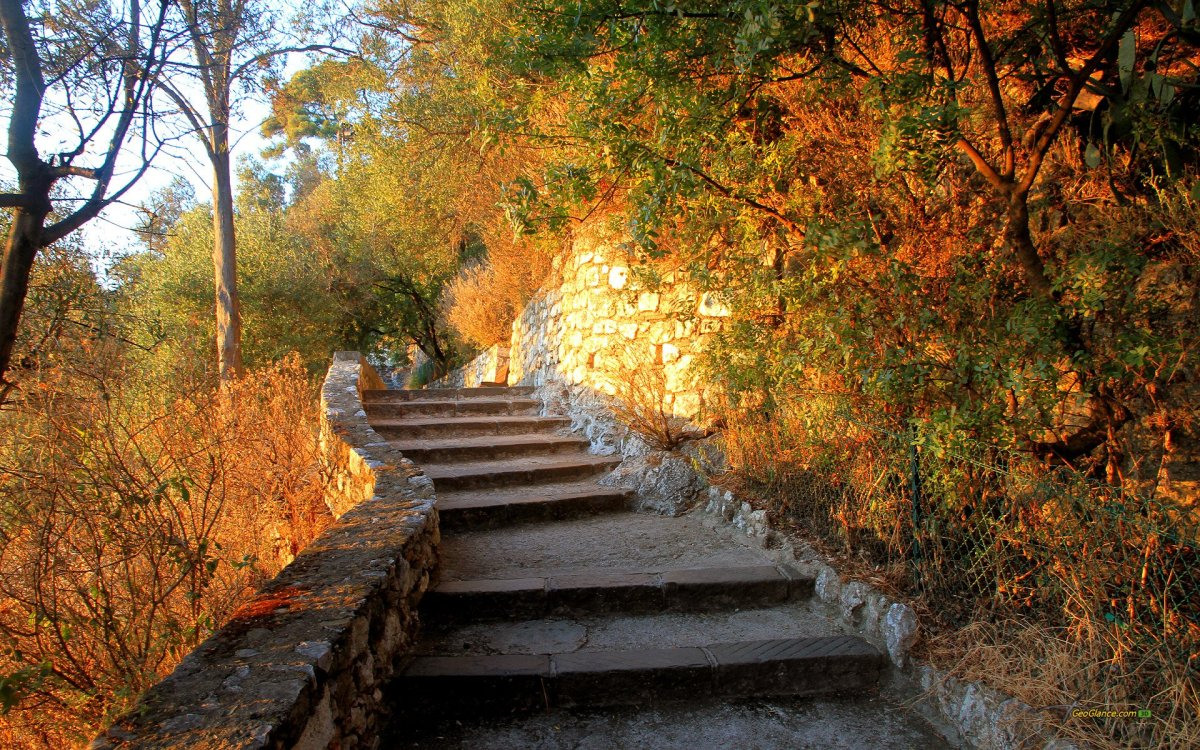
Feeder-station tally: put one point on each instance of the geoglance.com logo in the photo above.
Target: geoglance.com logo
(1099, 713)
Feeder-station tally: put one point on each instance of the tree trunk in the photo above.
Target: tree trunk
(229, 316)
(24, 240)
(1020, 239)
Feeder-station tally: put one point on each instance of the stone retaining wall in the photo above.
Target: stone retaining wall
(600, 314)
(302, 664)
(489, 367)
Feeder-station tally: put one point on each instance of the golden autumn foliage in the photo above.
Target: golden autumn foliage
(134, 517)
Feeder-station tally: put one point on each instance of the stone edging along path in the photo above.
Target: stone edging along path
(969, 713)
(301, 665)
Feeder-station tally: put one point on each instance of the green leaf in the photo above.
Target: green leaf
(1160, 89)
(1125, 59)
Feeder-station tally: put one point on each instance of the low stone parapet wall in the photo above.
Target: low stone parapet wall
(303, 663)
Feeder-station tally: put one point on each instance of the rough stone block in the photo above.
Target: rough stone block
(712, 306)
(901, 631)
(829, 585)
(319, 732)
(851, 600)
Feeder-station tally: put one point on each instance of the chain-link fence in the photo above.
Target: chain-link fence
(978, 534)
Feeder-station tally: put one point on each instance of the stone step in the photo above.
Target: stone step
(488, 447)
(614, 541)
(506, 682)
(498, 506)
(607, 592)
(463, 407)
(439, 427)
(529, 470)
(444, 394)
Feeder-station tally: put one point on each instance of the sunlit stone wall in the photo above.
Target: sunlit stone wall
(601, 314)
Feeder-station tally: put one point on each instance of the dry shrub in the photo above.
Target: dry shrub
(133, 520)
(478, 307)
(482, 302)
(640, 399)
(846, 498)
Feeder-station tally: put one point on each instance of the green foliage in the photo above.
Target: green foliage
(421, 375)
(283, 281)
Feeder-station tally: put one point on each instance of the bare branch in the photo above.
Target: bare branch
(981, 164)
(265, 56)
(71, 171)
(726, 191)
(1000, 112)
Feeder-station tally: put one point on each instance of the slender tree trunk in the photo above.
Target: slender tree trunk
(33, 176)
(229, 316)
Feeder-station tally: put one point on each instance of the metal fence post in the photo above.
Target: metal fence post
(914, 487)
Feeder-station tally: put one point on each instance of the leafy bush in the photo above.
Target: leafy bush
(422, 374)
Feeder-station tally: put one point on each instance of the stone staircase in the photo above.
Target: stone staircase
(553, 595)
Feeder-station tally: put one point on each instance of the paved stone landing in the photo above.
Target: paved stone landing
(564, 619)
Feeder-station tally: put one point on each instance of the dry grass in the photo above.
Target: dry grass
(1050, 589)
(133, 520)
(1061, 672)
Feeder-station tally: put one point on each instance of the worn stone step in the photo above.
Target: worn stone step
(463, 407)
(607, 592)
(614, 541)
(577, 630)
(529, 470)
(488, 447)
(442, 394)
(497, 506)
(507, 682)
(414, 428)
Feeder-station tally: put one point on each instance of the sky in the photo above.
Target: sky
(111, 234)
